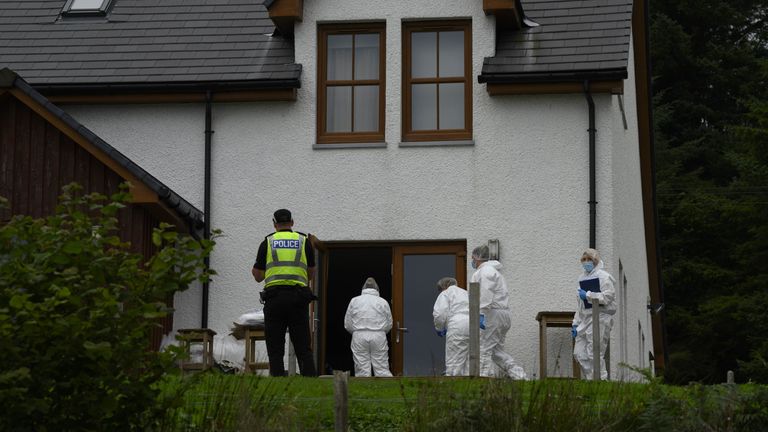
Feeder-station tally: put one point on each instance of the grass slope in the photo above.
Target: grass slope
(216, 402)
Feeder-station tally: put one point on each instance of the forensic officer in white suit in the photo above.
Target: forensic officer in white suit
(451, 318)
(494, 305)
(368, 319)
(581, 330)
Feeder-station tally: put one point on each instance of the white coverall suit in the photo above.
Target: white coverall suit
(368, 319)
(494, 303)
(582, 348)
(451, 312)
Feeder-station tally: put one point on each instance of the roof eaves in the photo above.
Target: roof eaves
(550, 77)
(170, 87)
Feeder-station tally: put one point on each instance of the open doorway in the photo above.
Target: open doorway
(347, 269)
(406, 272)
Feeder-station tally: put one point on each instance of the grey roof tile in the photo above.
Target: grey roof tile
(207, 39)
(573, 37)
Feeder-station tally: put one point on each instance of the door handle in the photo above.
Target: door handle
(399, 329)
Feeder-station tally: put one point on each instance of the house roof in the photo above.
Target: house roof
(173, 201)
(232, 45)
(575, 40)
(226, 43)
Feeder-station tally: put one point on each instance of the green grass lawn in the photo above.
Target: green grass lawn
(219, 402)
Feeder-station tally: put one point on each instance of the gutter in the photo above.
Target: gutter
(165, 87)
(592, 168)
(546, 77)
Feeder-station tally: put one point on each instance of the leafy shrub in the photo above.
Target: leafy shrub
(76, 311)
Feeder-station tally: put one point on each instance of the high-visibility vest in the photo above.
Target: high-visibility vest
(286, 259)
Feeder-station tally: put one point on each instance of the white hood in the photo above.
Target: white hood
(493, 263)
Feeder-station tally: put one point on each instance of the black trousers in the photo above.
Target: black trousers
(286, 307)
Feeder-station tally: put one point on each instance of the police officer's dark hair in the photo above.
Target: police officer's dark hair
(282, 216)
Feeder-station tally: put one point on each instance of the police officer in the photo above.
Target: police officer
(286, 262)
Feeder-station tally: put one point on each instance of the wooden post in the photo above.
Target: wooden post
(340, 400)
(543, 347)
(474, 329)
(596, 339)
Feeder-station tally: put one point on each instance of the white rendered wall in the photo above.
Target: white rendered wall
(525, 181)
(168, 142)
(629, 239)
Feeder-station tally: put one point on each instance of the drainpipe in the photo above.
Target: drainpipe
(207, 201)
(592, 195)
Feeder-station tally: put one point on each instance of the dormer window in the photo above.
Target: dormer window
(86, 7)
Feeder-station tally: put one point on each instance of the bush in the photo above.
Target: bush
(76, 311)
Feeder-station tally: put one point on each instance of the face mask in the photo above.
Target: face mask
(588, 266)
(474, 266)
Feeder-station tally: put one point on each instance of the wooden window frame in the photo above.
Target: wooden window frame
(323, 31)
(437, 135)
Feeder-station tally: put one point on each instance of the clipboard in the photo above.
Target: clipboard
(589, 285)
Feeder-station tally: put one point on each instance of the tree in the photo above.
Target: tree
(710, 70)
(76, 311)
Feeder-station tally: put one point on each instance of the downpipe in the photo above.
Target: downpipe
(207, 202)
(592, 168)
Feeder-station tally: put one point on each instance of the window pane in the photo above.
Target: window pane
(366, 56)
(85, 4)
(452, 54)
(424, 107)
(452, 106)
(339, 57)
(423, 55)
(366, 109)
(339, 109)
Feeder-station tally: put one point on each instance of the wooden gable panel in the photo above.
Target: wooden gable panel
(37, 160)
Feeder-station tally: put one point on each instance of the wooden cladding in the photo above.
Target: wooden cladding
(37, 160)
(285, 13)
(612, 87)
(506, 12)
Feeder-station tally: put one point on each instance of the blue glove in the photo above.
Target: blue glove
(442, 332)
(573, 331)
(482, 321)
(582, 294)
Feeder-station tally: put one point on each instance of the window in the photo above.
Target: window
(86, 7)
(437, 84)
(350, 94)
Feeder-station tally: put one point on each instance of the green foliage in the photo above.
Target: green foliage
(710, 66)
(250, 402)
(76, 311)
(216, 402)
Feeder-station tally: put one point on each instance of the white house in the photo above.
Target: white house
(401, 133)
